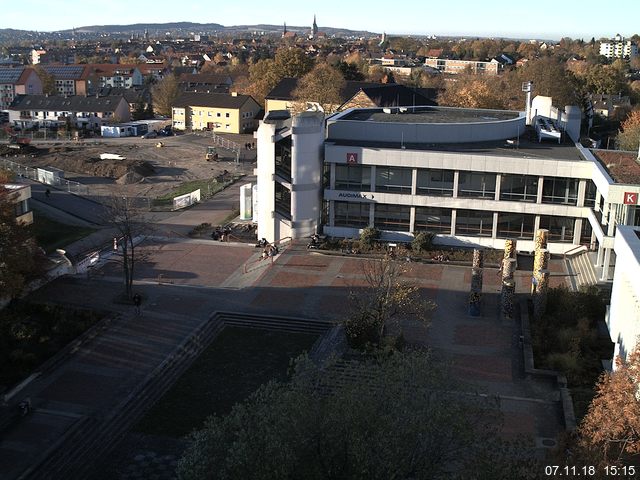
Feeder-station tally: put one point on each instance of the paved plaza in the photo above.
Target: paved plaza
(185, 281)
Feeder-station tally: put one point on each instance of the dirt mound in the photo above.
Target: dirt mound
(23, 150)
(136, 173)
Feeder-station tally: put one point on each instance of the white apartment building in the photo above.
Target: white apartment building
(619, 47)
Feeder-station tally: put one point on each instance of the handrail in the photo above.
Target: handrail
(260, 259)
(574, 250)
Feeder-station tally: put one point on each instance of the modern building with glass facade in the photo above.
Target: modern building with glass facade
(473, 177)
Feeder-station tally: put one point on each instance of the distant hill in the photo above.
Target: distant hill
(178, 28)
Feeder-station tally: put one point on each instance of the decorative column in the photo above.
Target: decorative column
(475, 296)
(510, 248)
(540, 274)
(540, 297)
(507, 297)
(509, 265)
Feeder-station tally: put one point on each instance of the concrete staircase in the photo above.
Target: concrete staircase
(581, 270)
(75, 455)
(272, 322)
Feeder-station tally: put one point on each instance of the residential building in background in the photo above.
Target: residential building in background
(20, 196)
(28, 111)
(619, 47)
(218, 112)
(17, 81)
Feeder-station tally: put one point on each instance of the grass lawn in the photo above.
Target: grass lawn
(237, 362)
(51, 234)
(208, 188)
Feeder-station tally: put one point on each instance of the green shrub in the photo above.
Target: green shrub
(422, 242)
(368, 238)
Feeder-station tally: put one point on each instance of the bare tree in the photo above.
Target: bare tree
(383, 302)
(129, 222)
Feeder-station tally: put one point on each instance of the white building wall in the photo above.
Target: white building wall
(265, 173)
(306, 173)
(623, 317)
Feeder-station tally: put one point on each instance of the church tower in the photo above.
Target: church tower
(314, 27)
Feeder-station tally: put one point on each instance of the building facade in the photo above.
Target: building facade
(623, 314)
(20, 195)
(619, 47)
(28, 111)
(219, 112)
(17, 81)
(472, 177)
(446, 65)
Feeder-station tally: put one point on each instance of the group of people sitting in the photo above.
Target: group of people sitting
(268, 250)
(441, 258)
(221, 234)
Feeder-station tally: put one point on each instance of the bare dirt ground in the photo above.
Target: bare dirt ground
(147, 170)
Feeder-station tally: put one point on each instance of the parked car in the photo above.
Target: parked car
(152, 134)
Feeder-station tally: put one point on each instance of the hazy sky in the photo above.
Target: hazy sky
(549, 19)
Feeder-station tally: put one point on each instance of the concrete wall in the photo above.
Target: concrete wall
(624, 312)
(306, 173)
(265, 173)
(398, 132)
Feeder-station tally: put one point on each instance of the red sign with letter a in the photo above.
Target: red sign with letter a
(352, 158)
(630, 198)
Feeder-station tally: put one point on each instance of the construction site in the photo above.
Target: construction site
(134, 167)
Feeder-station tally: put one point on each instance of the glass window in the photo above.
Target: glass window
(351, 214)
(560, 190)
(560, 228)
(393, 179)
(590, 194)
(392, 217)
(519, 188)
(478, 185)
(432, 219)
(353, 177)
(435, 182)
(585, 234)
(474, 222)
(283, 158)
(226, 115)
(515, 225)
(283, 200)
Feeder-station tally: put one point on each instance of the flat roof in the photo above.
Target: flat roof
(545, 150)
(622, 166)
(430, 115)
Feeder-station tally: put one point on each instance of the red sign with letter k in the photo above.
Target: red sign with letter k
(630, 198)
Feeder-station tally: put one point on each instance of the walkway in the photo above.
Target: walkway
(199, 277)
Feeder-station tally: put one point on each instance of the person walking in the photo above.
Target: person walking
(137, 301)
(47, 193)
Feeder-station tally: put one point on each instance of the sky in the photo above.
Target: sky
(540, 19)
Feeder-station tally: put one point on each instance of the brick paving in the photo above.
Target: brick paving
(483, 350)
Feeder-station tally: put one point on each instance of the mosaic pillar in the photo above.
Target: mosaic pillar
(507, 297)
(509, 266)
(542, 236)
(475, 296)
(540, 297)
(478, 258)
(510, 248)
(540, 262)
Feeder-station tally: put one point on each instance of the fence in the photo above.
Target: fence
(55, 181)
(44, 134)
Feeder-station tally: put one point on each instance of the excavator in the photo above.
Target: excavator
(15, 140)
